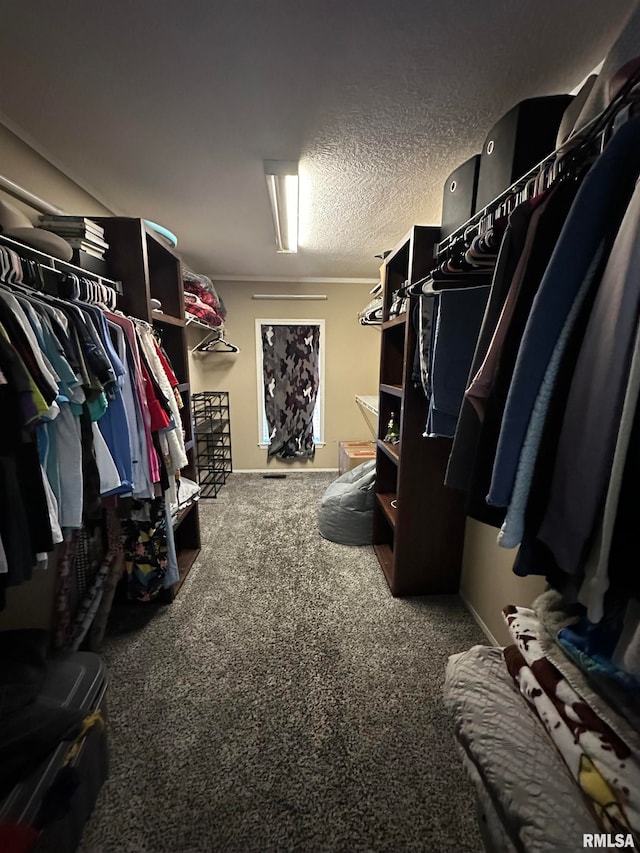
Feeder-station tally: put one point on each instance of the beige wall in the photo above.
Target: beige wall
(22, 165)
(488, 582)
(352, 355)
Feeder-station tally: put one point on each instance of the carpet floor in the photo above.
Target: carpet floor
(284, 701)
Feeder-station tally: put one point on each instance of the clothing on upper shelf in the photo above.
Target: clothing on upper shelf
(200, 299)
(211, 296)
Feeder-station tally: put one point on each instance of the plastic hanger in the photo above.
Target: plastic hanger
(218, 345)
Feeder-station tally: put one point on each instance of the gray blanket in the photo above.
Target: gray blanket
(525, 793)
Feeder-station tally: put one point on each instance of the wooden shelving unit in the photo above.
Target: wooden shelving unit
(395, 390)
(418, 541)
(161, 317)
(391, 450)
(400, 320)
(390, 511)
(149, 269)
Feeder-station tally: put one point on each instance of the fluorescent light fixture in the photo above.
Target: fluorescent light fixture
(282, 185)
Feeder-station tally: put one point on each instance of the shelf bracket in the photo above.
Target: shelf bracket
(207, 338)
(368, 403)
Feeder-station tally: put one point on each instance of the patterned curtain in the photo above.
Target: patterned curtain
(291, 364)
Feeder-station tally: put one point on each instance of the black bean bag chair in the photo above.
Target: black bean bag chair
(346, 508)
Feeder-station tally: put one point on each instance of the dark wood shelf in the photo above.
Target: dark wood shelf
(400, 320)
(168, 319)
(149, 268)
(396, 390)
(418, 543)
(392, 450)
(183, 513)
(390, 511)
(186, 559)
(384, 553)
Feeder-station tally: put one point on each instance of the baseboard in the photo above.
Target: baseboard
(481, 623)
(285, 470)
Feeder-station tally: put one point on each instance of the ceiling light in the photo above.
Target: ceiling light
(282, 185)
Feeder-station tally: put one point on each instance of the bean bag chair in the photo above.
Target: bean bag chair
(346, 508)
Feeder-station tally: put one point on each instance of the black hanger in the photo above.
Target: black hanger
(218, 345)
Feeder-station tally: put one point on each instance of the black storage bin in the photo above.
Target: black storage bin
(75, 680)
(90, 263)
(459, 198)
(517, 142)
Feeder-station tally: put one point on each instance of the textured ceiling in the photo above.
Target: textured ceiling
(167, 110)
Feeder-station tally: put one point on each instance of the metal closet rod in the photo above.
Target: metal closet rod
(56, 264)
(29, 198)
(596, 128)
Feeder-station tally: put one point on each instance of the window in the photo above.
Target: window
(318, 413)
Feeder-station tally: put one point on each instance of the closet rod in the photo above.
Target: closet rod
(518, 185)
(29, 198)
(56, 264)
(566, 148)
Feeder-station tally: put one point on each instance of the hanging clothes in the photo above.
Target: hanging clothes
(467, 435)
(548, 227)
(594, 220)
(595, 400)
(173, 430)
(512, 530)
(141, 387)
(75, 384)
(458, 316)
(146, 549)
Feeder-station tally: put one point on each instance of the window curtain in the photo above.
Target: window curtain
(291, 366)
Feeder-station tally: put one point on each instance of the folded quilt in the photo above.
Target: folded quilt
(525, 791)
(617, 706)
(604, 766)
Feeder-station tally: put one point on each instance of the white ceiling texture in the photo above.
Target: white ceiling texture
(166, 110)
